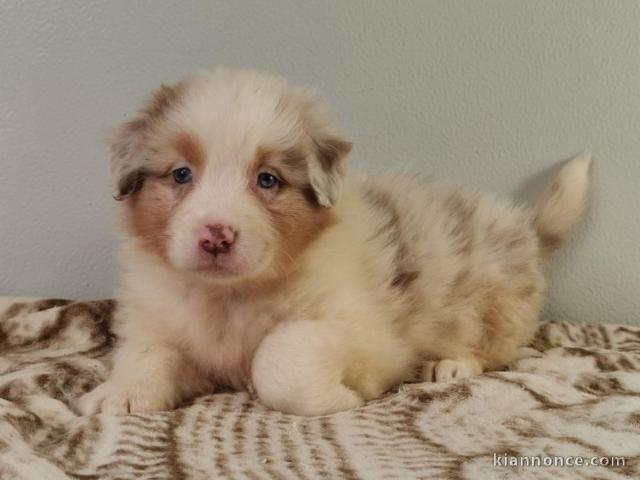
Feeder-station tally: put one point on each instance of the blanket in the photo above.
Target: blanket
(571, 410)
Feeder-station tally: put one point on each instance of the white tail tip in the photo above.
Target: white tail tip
(561, 205)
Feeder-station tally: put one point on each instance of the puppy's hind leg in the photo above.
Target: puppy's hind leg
(299, 369)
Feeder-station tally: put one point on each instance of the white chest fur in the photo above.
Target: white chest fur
(219, 333)
(222, 336)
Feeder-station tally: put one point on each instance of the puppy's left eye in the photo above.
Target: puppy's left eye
(182, 175)
(267, 180)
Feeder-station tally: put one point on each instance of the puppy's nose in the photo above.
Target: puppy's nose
(217, 239)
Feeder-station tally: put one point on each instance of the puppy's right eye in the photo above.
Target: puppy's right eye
(267, 180)
(182, 175)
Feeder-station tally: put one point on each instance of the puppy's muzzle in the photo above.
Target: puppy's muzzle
(217, 239)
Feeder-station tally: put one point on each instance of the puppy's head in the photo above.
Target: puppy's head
(229, 174)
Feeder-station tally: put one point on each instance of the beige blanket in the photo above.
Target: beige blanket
(577, 401)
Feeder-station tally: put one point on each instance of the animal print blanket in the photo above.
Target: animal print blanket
(570, 411)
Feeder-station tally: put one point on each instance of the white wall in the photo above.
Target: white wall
(491, 93)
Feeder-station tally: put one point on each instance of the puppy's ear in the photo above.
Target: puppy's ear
(326, 163)
(327, 168)
(128, 157)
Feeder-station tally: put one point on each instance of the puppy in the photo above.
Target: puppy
(251, 260)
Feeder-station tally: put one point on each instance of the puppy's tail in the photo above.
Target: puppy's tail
(561, 205)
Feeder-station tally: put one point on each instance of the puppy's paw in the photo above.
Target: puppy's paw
(449, 369)
(119, 399)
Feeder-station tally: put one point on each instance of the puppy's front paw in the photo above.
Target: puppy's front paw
(119, 399)
(449, 369)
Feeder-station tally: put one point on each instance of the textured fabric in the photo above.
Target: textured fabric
(579, 396)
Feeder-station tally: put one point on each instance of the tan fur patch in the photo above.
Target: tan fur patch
(298, 221)
(293, 209)
(147, 213)
(190, 149)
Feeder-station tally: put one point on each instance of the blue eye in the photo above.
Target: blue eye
(182, 175)
(267, 180)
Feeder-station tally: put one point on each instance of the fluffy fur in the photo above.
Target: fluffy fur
(337, 287)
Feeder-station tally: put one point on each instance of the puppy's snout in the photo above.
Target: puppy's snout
(217, 239)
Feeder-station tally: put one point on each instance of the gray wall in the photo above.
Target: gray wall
(492, 93)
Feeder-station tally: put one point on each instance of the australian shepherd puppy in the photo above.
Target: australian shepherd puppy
(252, 260)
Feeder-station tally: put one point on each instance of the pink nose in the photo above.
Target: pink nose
(217, 239)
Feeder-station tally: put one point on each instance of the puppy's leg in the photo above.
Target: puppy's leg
(299, 369)
(146, 378)
(450, 369)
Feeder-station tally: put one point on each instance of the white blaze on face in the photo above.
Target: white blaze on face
(222, 196)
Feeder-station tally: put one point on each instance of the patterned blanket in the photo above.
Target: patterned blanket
(576, 400)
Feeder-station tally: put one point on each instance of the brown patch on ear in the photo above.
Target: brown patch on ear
(129, 184)
(332, 151)
(128, 141)
(190, 149)
(327, 167)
